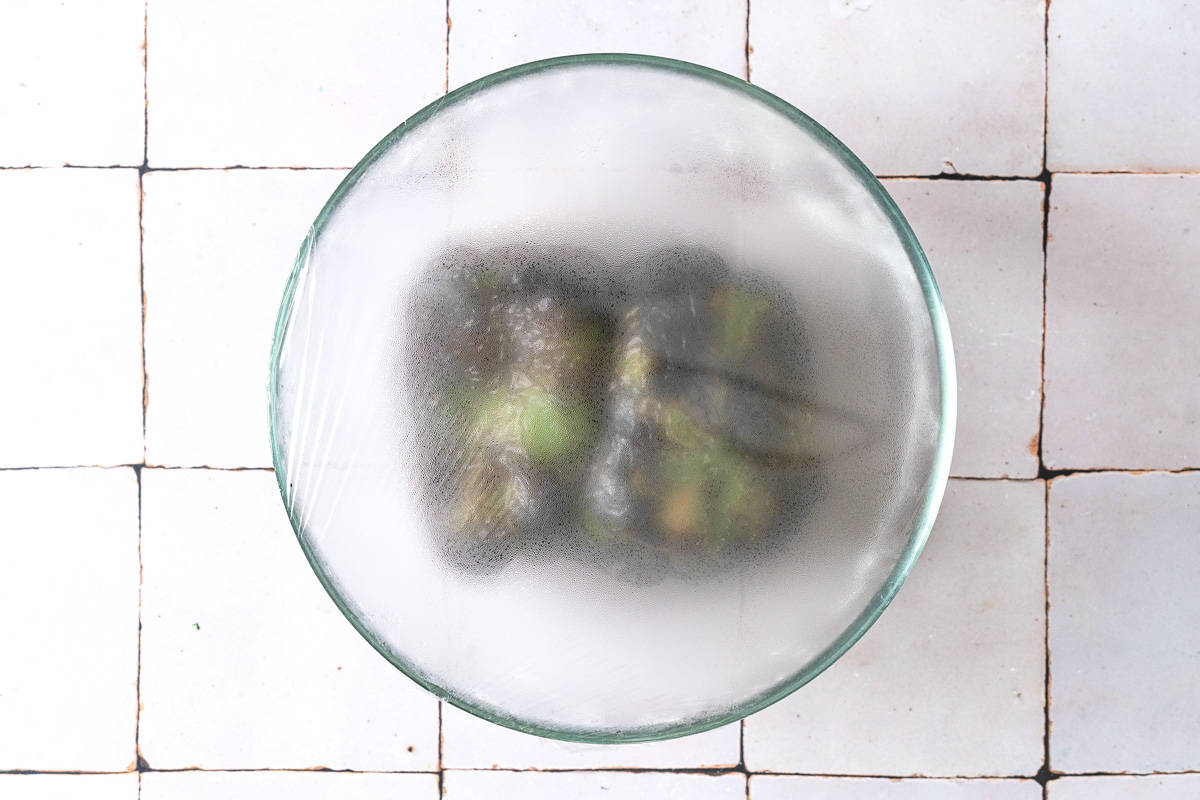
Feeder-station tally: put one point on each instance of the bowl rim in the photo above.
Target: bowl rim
(938, 474)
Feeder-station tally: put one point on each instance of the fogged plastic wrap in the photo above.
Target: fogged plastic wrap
(609, 400)
(647, 418)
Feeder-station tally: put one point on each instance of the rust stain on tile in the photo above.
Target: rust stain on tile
(1033, 444)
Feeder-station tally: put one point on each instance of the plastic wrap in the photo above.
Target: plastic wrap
(612, 398)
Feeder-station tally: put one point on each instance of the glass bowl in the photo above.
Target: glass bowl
(625, 189)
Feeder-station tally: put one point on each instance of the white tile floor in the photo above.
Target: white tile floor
(485, 37)
(1121, 787)
(1125, 680)
(1077, 360)
(795, 787)
(68, 676)
(1124, 82)
(281, 83)
(1123, 390)
(246, 663)
(279, 785)
(471, 743)
(985, 240)
(213, 282)
(477, 785)
(950, 681)
(71, 285)
(913, 88)
(72, 86)
(123, 786)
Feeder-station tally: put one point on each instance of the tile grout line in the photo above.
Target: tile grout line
(748, 50)
(1014, 478)
(741, 765)
(957, 176)
(1051, 474)
(932, 176)
(139, 762)
(143, 167)
(709, 771)
(449, 25)
(137, 465)
(145, 85)
(742, 744)
(142, 288)
(1045, 775)
(243, 168)
(1164, 173)
(1046, 178)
